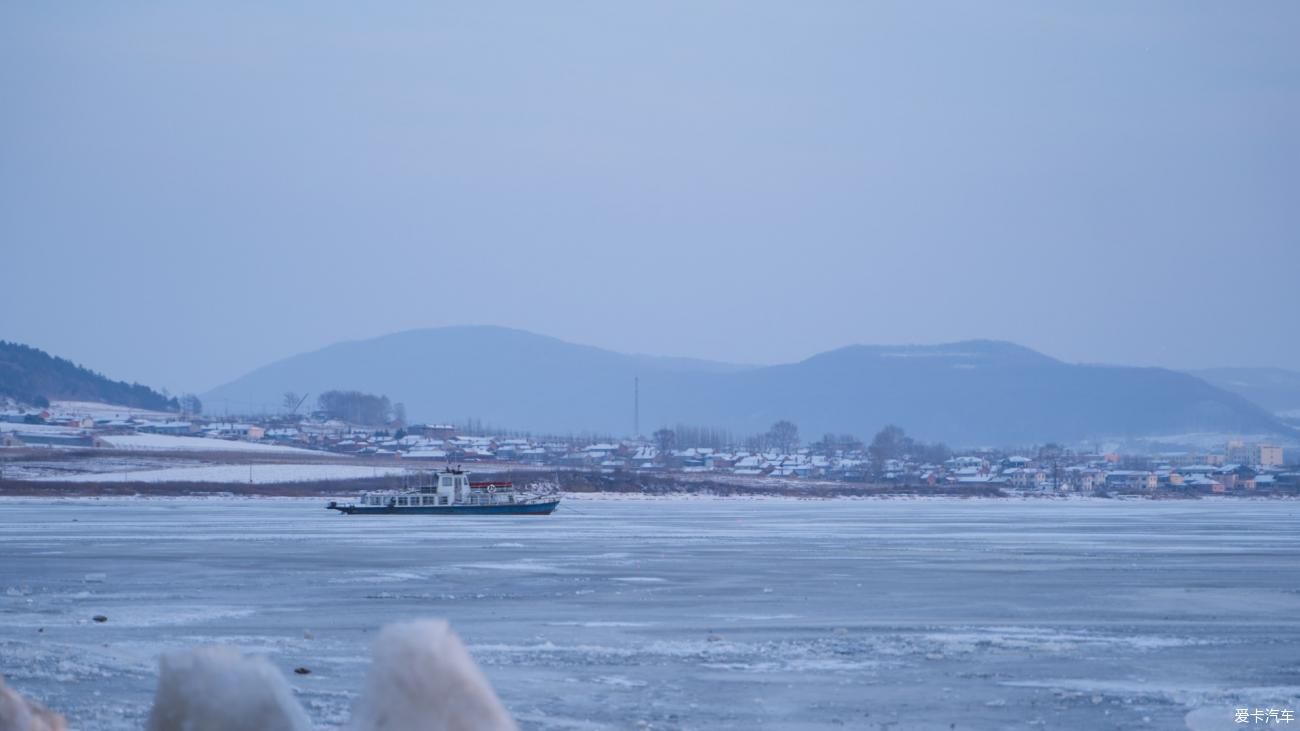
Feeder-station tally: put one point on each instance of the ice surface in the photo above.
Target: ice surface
(773, 613)
(220, 689)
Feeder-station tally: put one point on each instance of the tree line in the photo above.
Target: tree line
(358, 408)
(33, 377)
(891, 442)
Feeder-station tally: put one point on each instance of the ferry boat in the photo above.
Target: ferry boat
(450, 492)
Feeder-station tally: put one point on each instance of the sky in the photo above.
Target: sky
(192, 190)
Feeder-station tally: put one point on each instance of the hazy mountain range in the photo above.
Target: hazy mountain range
(968, 393)
(1276, 389)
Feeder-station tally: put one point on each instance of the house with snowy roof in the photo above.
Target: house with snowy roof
(1025, 478)
(532, 455)
(749, 465)
(1131, 480)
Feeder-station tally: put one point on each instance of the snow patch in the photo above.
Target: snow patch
(259, 474)
(422, 677)
(220, 689)
(194, 444)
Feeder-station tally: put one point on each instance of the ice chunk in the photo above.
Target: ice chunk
(220, 689)
(423, 679)
(19, 714)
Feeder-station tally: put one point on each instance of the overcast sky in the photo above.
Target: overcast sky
(189, 192)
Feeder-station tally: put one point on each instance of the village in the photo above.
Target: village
(890, 459)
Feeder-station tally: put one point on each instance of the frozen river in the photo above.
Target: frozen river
(700, 613)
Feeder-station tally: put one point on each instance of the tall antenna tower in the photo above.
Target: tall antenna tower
(636, 407)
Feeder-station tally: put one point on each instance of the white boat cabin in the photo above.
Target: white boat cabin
(443, 489)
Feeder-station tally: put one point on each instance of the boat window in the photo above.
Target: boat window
(442, 500)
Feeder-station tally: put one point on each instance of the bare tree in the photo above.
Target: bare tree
(1050, 454)
(850, 443)
(190, 404)
(784, 435)
(889, 443)
(665, 441)
(356, 407)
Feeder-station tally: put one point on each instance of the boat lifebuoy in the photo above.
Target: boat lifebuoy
(491, 489)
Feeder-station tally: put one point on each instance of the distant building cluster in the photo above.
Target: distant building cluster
(1237, 467)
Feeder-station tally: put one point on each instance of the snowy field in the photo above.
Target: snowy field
(231, 467)
(97, 410)
(194, 444)
(259, 474)
(685, 614)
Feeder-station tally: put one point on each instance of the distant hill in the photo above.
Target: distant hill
(971, 393)
(1275, 389)
(32, 376)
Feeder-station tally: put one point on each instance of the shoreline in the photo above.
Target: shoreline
(77, 474)
(226, 493)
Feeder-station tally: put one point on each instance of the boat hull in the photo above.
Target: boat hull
(538, 508)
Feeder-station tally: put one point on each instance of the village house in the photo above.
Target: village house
(1084, 479)
(1025, 478)
(232, 430)
(175, 428)
(1131, 480)
(1202, 483)
(1268, 455)
(1236, 477)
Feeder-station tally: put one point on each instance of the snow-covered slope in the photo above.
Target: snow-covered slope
(194, 444)
(259, 474)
